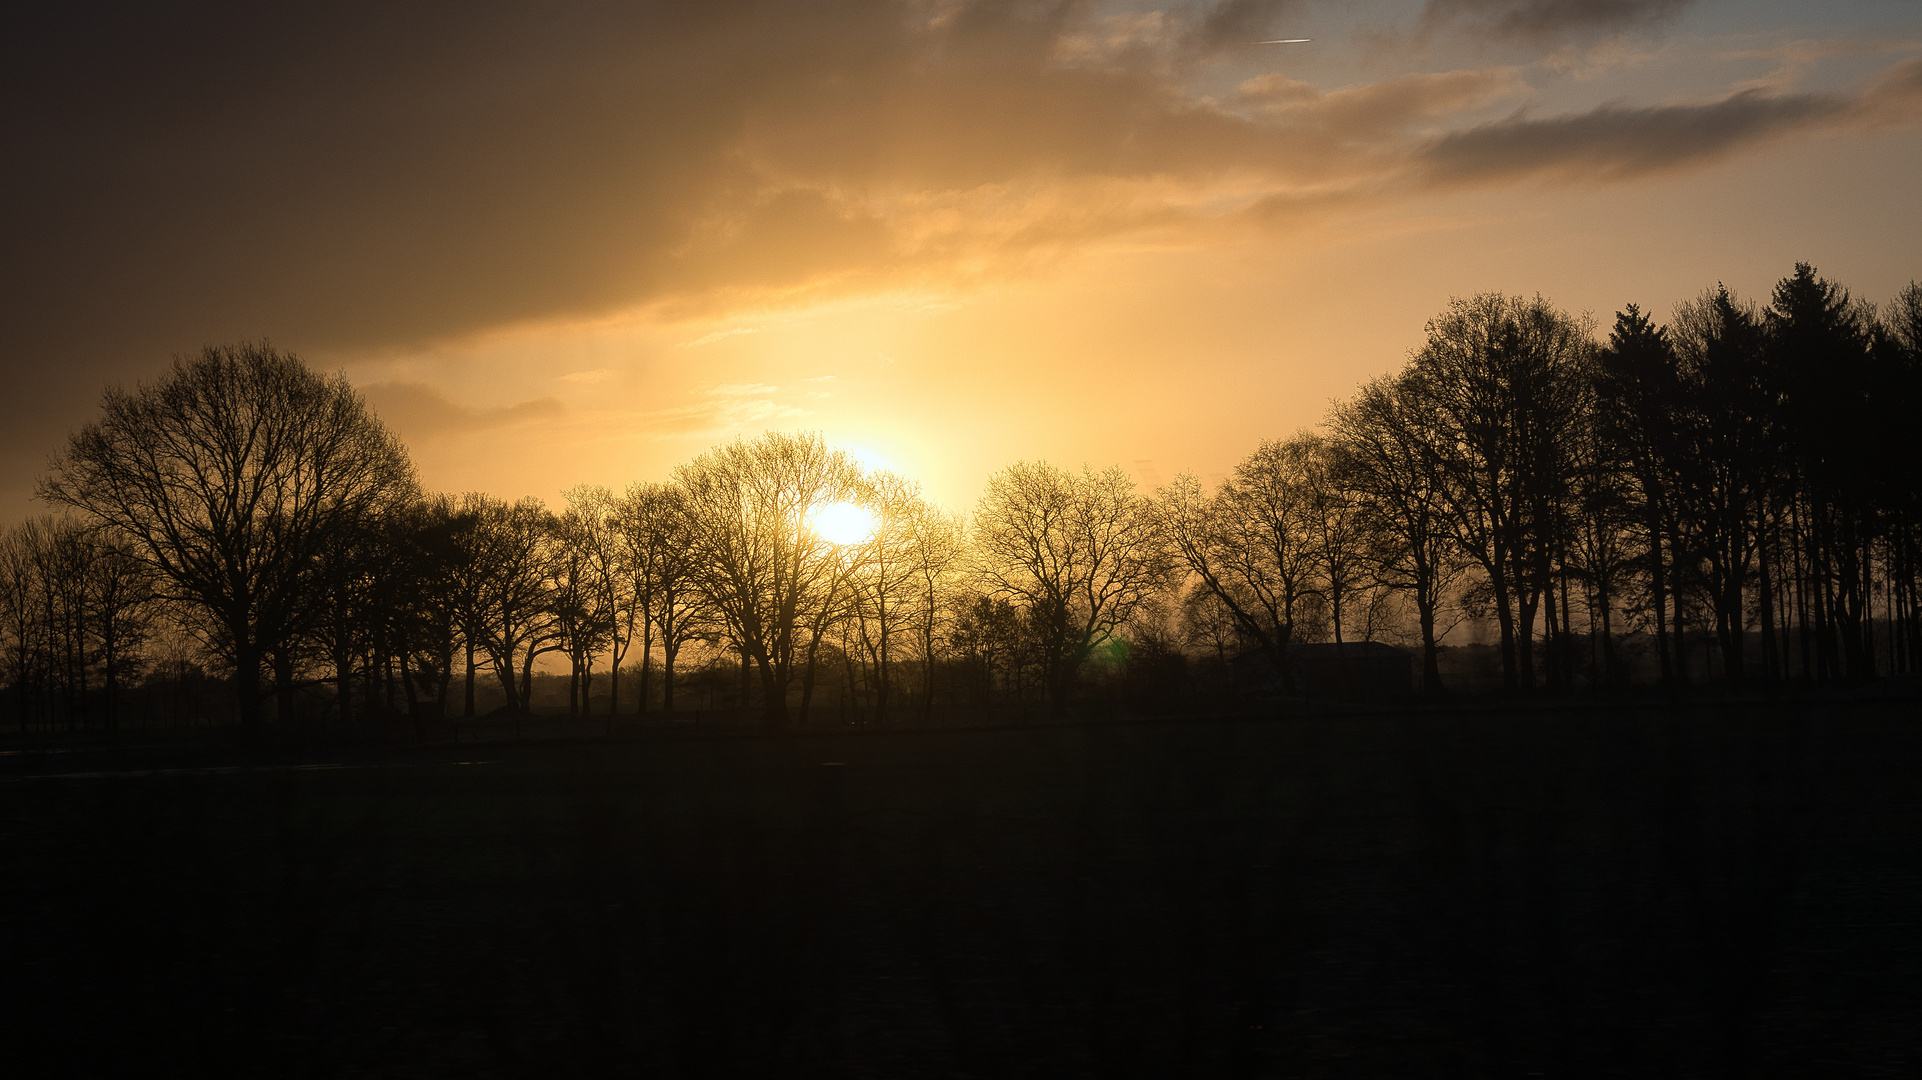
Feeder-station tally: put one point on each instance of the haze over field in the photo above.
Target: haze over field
(578, 244)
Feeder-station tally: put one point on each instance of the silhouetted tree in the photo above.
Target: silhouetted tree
(1898, 362)
(657, 538)
(892, 587)
(426, 606)
(1602, 514)
(19, 589)
(1725, 455)
(1638, 388)
(1338, 539)
(227, 477)
(1499, 376)
(1079, 553)
(514, 607)
(1386, 439)
(1735, 464)
(592, 524)
(580, 597)
(77, 611)
(988, 637)
(1251, 546)
(756, 558)
(937, 552)
(1818, 345)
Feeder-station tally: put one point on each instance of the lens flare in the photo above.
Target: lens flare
(843, 523)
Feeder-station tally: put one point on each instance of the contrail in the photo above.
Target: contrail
(1283, 41)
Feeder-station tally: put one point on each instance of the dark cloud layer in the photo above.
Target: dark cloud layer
(1613, 142)
(359, 173)
(1548, 19)
(1232, 23)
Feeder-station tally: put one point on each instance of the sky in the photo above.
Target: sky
(566, 243)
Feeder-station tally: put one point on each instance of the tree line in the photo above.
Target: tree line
(1730, 497)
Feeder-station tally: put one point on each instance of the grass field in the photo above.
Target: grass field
(1703, 891)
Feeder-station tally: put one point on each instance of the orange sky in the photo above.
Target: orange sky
(558, 246)
(1164, 359)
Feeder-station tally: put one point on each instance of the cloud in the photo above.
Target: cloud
(1618, 142)
(391, 176)
(416, 410)
(1372, 110)
(742, 390)
(1233, 23)
(597, 375)
(1537, 20)
(721, 410)
(1118, 40)
(718, 335)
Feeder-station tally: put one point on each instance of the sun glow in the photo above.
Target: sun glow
(843, 523)
(870, 460)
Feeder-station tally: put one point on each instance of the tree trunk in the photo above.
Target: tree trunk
(614, 687)
(1505, 620)
(647, 654)
(468, 709)
(807, 681)
(246, 678)
(1431, 683)
(1733, 629)
(1528, 600)
(527, 682)
(409, 691)
(668, 652)
(344, 682)
(504, 672)
(1766, 599)
(1658, 588)
(283, 687)
(774, 694)
(1675, 593)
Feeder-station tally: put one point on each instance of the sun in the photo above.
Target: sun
(843, 523)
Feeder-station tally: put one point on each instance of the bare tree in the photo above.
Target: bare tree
(757, 559)
(1386, 440)
(1496, 376)
(430, 607)
(583, 599)
(76, 613)
(1902, 317)
(657, 549)
(515, 610)
(592, 525)
(986, 635)
(895, 581)
(1251, 547)
(19, 588)
(1080, 553)
(1605, 522)
(938, 548)
(227, 476)
(121, 590)
(1338, 539)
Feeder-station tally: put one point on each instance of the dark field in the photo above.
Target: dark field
(1712, 891)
